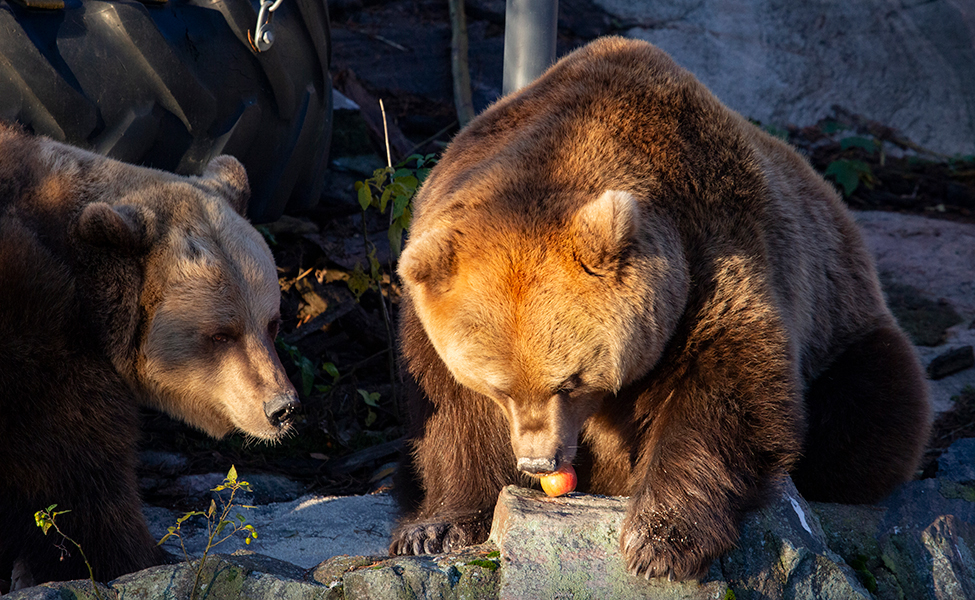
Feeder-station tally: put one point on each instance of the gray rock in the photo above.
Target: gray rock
(934, 256)
(909, 64)
(264, 488)
(933, 561)
(916, 544)
(782, 553)
(957, 463)
(919, 543)
(163, 463)
(331, 573)
(304, 532)
(568, 547)
(951, 362)
(471, 573)
(222, 576)
(61, 590)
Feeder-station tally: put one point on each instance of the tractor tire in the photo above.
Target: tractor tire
(172, 84)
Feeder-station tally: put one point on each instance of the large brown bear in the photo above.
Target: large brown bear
(610, 268)
(120, 285)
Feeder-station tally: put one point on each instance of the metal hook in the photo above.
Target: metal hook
(264, 31)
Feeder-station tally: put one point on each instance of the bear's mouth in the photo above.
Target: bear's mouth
(541, 466)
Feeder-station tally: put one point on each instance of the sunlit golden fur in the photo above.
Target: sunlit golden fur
(120, 285)
(610, 268)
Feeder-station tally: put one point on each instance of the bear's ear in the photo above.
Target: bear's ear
(427, 259)
(227, 177)
(130, 229)
(603, 227)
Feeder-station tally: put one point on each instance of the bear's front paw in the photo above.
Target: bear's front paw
(658, 543)
(434, 537)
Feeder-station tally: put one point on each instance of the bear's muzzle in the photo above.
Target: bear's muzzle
(280, 409)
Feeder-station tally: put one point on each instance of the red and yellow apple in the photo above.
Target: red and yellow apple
(559, 482)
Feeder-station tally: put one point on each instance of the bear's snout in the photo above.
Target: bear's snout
(538, 466)
(280, 409)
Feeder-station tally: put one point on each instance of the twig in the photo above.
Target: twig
(346, 82)
(382, 109)
(459, 65)
(388, 41)
(387, 319)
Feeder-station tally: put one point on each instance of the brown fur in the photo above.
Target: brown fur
(611, 268)
(119, 285)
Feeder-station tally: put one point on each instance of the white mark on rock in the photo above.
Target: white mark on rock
(801, 514)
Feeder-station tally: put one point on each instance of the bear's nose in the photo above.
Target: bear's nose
(537, 466)
(280, 409)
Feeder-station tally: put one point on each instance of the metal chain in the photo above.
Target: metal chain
(264, 32)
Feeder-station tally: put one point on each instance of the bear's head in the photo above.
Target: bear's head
(185, 294)
(549, 314)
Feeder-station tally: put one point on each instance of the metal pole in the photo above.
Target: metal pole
(529, 41)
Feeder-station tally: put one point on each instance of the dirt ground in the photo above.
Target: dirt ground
(337, 347)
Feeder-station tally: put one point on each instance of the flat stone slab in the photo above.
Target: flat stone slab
(303, 532)
(568, 547)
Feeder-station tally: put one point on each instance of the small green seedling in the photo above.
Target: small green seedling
(219, 523)
(45, 519)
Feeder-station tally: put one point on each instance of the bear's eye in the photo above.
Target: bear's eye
(590, 271)
(221, 338)
(569, 385)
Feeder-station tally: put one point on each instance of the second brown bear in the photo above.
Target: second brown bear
(120, 286)
(612, 269)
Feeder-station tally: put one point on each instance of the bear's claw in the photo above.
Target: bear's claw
(435, 537)
(656, 547)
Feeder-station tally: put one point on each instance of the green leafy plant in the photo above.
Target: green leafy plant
(849, 174)
(394, 188)
(332, 372)
(45, 519)
(831, 126)
(871, 145)
(371, 399)
(869, 581)
(776, 131)
(305, 366)
(268, 236)
(389, 189)
(220, 525)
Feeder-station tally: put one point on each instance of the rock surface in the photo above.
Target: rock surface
(567, 547)
(919, 543)
(909, 64)
(575, 554)
(935, 258)
(303, 532)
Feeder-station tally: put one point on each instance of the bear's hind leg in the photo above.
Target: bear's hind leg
(868, 421)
